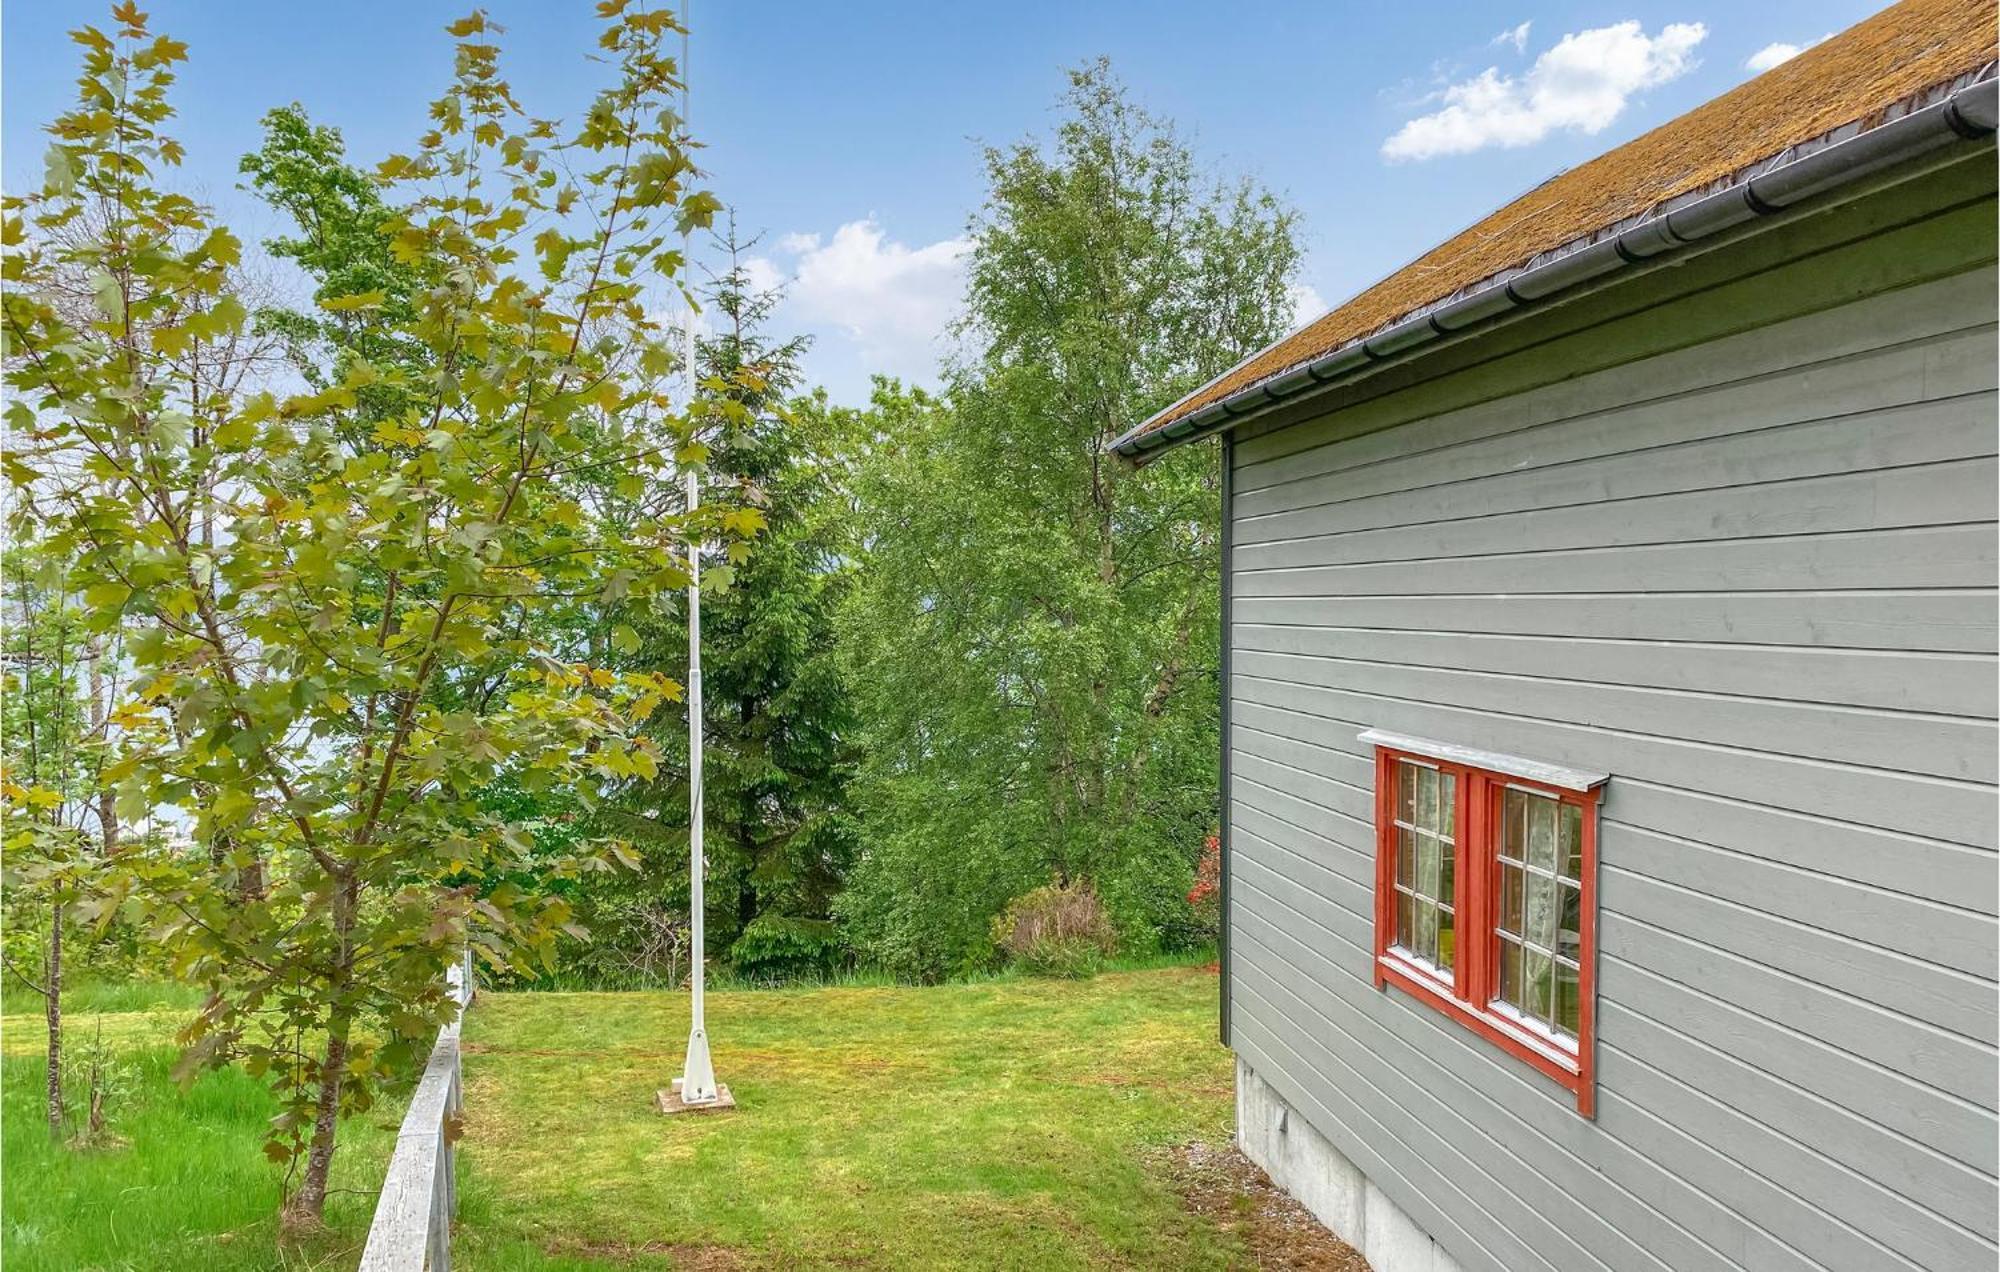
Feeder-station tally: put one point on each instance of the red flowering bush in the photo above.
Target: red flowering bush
(1206, 894)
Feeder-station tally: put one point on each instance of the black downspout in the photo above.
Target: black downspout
(1223, 694)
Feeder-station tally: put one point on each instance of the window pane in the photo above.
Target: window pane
(1572, 841)
(1567, 998)
(1406, 859)
(1510, 973)
(1569, 939)
(1427, 932)
(1427, 798)
(1513, 817)
(1540, 915)
(1447, 939)
(1406, 927)
(1447, 875)
(1510, 899)
(1447, 805)
(1406, 792)
(1542, 833)
(1537, 974)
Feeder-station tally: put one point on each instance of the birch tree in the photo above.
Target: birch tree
(1034, 633)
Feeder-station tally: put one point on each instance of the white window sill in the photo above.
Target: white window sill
(1568, 779)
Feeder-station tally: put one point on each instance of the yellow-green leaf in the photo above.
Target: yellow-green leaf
(359, 300)
(235, 434)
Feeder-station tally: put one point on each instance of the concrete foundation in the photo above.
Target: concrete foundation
(1306, 1165)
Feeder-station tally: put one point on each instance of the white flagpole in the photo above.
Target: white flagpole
(697, 1081)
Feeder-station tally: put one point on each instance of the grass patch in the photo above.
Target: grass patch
(1008, 1122)
(189, 1188)
(1004, 1123)
(86, 997)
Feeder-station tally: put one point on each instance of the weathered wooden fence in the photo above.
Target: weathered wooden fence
(412, 1227)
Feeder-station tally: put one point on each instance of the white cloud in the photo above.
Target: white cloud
(762, 274)
(1516, 36)
(1580, 85)
(1773, 54)
(888, 301)
(1307, 304)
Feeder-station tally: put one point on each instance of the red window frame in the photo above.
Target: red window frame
(1467, 993)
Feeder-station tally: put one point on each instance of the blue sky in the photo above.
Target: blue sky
(848, 134)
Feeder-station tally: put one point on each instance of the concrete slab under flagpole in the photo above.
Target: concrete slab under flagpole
(670, 1100)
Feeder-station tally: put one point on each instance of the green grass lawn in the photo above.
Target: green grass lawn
(189, 1187)
(1011, 1123)
(1007, 1123)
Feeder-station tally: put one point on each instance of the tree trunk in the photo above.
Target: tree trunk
(307, 1205)
(53, 1000)
(107, 820)
(304, 1210)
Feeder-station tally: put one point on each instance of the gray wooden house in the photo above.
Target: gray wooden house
(1609, 746)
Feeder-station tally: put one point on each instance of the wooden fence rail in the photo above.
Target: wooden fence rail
(412, 1227)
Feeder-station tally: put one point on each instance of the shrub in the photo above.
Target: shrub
(777, 948)
(623, 942)
(1059, 930)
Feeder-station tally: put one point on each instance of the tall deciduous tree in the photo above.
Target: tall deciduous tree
(306, 583)
(1034, 639)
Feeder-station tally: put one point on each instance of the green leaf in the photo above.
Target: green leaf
(106, 595)
(235, 434)
(225, 317)
(109, 295)
(59, 171)
(222, 247)
(359, 300)
(230, 804)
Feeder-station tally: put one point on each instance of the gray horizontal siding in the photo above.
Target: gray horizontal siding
(1902, 621)
(1949, 492)
(1694, 475)
(1951, 556)
(1933, 745)
(1731, 541)
(1944, 684)
(1868, 796)
(1813, 359)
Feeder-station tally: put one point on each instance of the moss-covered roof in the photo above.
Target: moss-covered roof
(1844, 81)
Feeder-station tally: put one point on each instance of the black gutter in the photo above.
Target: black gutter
(1223, 688)
(1969, 113)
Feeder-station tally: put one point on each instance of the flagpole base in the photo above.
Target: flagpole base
(697, 1080)
(696, 1088)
